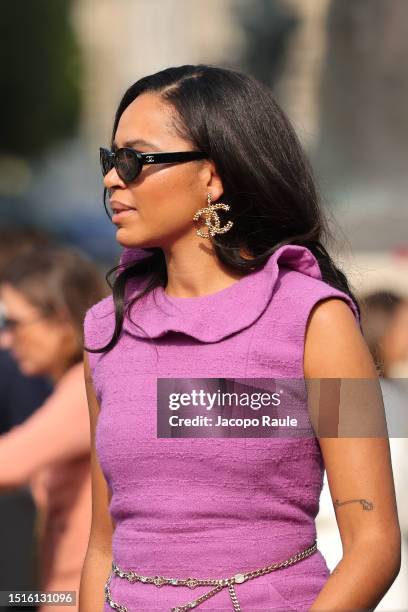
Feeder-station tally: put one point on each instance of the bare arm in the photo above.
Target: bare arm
(358, 469)
(98, 558)
(58, 430)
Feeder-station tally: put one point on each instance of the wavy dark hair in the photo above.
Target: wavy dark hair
(266, 176)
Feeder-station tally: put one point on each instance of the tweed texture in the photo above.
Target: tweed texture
(211, 507)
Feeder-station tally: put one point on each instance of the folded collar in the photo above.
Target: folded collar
(211, 317)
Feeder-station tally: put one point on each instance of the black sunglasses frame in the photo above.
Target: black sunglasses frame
(110, 159)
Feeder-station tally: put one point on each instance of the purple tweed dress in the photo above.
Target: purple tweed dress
(209, 507)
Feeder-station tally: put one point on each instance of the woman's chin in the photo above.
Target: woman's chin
(28, 368)
(129, 241)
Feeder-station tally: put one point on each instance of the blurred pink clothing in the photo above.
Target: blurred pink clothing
(51, 450)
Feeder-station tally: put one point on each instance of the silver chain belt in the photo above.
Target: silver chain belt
(220, 584)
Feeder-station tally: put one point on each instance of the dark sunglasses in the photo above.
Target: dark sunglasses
(128, 163)
(8, 324)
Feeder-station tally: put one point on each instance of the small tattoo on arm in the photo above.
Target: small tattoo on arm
(367, 505)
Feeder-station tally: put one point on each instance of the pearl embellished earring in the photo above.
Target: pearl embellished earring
(212, 219)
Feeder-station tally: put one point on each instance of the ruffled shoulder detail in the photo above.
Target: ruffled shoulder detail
(212, 317)
(99, 320)
(98, 325)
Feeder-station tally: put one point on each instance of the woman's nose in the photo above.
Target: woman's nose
(112, 179)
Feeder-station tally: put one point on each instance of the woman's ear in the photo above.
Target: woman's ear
(211, 180)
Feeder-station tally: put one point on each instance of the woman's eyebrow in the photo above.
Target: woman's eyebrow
(137, 142)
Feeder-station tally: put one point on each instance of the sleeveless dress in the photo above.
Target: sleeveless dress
(209, 508)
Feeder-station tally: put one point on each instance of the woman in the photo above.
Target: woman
(243, 296)
(44, 295)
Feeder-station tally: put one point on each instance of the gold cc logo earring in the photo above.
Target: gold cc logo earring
(212, 219)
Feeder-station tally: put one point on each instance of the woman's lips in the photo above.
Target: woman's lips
(118, 216)
(120, 210)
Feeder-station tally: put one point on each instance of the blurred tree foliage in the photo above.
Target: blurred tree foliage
(40, 75)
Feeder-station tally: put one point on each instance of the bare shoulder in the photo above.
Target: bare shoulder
(358, 467)
(334, 345)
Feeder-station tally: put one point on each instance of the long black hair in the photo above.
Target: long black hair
(267, 179)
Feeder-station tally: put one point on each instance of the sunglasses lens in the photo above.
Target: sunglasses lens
(106, 161)
(127, 164)
(7, 324)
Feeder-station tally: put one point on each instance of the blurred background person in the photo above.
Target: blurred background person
(386, 330)
(20, 395)
(44, 294)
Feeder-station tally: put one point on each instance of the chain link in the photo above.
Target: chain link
(220, 584)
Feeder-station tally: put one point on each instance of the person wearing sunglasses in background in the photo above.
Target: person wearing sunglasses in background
(20, 396)
(222, 523)
(44, 293)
